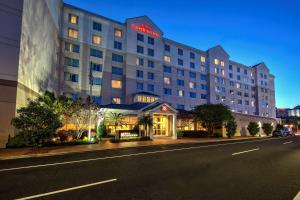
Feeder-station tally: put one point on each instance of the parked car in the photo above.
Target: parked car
(278, 133)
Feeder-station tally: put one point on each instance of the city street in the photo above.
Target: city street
(258, 169)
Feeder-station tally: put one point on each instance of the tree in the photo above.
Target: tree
(253, 128)
(279, 127)
(146, 121)
(212, 115)
(117, 120)
(231, 128)
(267, 128)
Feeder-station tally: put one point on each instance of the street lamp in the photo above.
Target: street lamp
(91, 79)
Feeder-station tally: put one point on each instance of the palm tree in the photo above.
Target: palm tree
(146, 121)
(117, 120)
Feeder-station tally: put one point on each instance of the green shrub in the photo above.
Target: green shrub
(15, 142)
(268, 128)
(253, 128)
(217, 135)
(179, 134)
(231, 128)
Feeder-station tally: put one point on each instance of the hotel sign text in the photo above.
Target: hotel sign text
(145, 29)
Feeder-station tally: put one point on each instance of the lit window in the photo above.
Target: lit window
(202, 59)
(222, 63)
(216, 61)
(116, 84)
(223, 72)
(96, 39)
(72, 33)
(238, 85)
(118, 33)
(192, 85)
(116, 100)
(180, 93)
(167, 80)
(73, 19)
(167, 58)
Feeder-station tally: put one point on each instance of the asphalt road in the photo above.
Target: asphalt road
(260, 169)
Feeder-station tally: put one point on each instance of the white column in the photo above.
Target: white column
(174, 135)
(151, 126)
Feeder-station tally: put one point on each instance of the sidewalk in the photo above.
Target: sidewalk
(6, 154)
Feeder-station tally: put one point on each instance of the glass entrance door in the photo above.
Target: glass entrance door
(160, 125)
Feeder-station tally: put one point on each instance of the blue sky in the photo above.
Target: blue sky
(250, 31)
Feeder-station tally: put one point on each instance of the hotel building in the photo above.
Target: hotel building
(62, 48)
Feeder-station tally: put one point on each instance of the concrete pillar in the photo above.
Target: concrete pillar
(174, 135)
(151, 126)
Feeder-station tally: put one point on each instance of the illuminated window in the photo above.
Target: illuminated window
(116, 84)
(192, 85)
(223, 72)
(73, 19)
(216, 61)
(180, 93)
(252, 103)
(96, 39)
(167, 80)
(72, 33)
(118, 33)
(167, 58)
(238, 85)
(116, 100)
(202, 59)
(222, 63)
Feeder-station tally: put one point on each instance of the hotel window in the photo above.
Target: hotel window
(73, 19)
(193, 95)
(192, 55)
(72, 33)
(167, 80)
(231, 83)
(117, 58)
(230, 67)
(216, 61)
(252, 81)
(96, 99)
(71, 62)
(97, 81)
(240, 101)
(117, 71)
(71, 77)
(167, 58)
(150, 40)
(180, 93)
(150, 76)
(217, 71)
(139, 49)
(223, 72)
(180, 72)
(203, 77)
(118, 33)
(139, 86)
(167, 91)
(239, 93)
(180, 52)
(116, 100)
(180, 62)
(97, 26)
(238, 69)
(230, 75)
(167, 48)
(96, 67)
(116, 84)
(180, 82)
(150, 63)
(180, 106)
(72, 47)
(139, 74)
(192, 75)
(192, 85)
(150, 88)
(245, 72)
(167, 69)
(140, 62)
(150, 52)
(96, 53)
(203, 87)
(118, 45)
(96, 39)
(202, 59)
(140, 37)
(203, 96)
(238, 77)
(192, 65)
(222, 63)
(238, 85)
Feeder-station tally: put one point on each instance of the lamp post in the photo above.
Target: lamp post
(91, 79)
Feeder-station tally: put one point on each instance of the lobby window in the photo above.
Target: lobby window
(192, 85)
(180, 72)
(150, 76)
(116, 84)
(180, 52)
(180, 93)
(167, 58)
(150, 88)
(140, 62)
(73, 19)
(97, 26)
(97, 39)
(139, 86)
(167, 91)
(150, 63)
(216, 61)
(150, 40)
(118, 33)
(150, 52)
(192, 75)
(192, 55)
(117, 58)
(202, 59)
(180, 106)
(96, 67)
(117, 71)
(167, 80)
(180, 62)
(140, 37)
(116, 100)
(139, 49)
(72, 33)
(72, 47)
(167, 48)
(139, 74)
(193, 95)
(118, 45)
(167, 69)
(180, 82)
(71, 62)
(96, 53)
(97, 81)
(71, 77)
(222, 63)
(192, 65)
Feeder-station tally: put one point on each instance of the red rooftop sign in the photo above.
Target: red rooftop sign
(145, 29)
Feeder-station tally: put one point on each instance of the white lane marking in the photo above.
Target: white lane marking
(245, 151)
(297, 197)
(127, 155)
(67, 189)
(287, 142)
